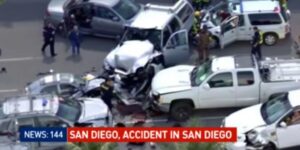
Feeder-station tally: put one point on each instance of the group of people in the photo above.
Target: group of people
(70, 26)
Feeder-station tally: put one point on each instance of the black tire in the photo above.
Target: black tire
(270, 146)
(181, 111)
(270, 39)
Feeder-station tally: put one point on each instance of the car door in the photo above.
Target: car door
(244, 31)
(288, 134)
(27, 121)
(105, 21)
(217, 91)
(50, 89)
(50, 121)
(186, 16)
(228, 31)
(176, 50)
(247, 90)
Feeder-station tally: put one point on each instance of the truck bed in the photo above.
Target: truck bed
(280, 69)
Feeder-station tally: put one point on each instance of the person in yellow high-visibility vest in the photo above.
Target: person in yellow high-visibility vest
(196, 23)
(283, 4)
(257, 41)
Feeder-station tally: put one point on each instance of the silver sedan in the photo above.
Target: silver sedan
(104, 18)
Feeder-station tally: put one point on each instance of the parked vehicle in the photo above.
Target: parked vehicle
(51, 111)
(272, 125)
(267, 15)
(229, 81)
(65, 85)
(105, 18)
(160, 40)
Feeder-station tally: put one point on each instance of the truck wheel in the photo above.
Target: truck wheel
(270, 39)
(181, 111)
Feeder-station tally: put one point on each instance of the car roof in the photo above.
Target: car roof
(108, 3)
(152, 17)
(294, 97)
(21, 105)
(258, 6)
(227, 63)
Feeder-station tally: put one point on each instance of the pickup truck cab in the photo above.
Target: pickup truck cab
(267, 15)
(272, 125)
(229, 81)
(157, 31)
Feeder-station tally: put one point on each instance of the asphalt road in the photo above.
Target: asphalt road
(21, 40)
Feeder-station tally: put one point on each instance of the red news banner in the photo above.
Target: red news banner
(147, 134)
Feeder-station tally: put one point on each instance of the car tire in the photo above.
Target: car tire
(270, 39)
(270, 146)
(181, 111)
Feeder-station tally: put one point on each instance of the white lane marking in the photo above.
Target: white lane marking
(20, 59)
(8, 90)
(165, 120)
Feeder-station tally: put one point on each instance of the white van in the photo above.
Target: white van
(267, 15)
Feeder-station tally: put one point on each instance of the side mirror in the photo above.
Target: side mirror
(206, 86)
(283, 124)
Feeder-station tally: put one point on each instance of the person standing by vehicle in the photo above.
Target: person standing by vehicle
(203, 44)
(257, 41)
(49, 39)
(75, 41)
(296, 48)
(107, 92)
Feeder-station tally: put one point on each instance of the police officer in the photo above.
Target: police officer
(257, 41)
(196, 23)
(107, 92)
(49, 39)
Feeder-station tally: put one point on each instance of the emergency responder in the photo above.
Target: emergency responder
(49, 39)
(204, 4)
(107, 92)
(257, 41)
(196, 4)
(196, 23)
(283, 4)
(203, 44)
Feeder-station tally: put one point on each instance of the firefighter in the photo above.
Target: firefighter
(196, 23)
(257, 41)
(107, 92)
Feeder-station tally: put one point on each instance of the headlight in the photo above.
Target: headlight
(252, 135)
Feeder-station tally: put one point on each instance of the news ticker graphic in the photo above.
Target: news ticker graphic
(128, 134)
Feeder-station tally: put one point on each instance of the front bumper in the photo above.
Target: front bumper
(161, 107)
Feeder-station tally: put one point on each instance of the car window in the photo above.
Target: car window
(245, 78)
(5, 125)
(67, 88)
(26, 122)
(127, 8)
(265, 19)
(51, 89)
(178, 39)
(221, 80)
(105, 13)
(49, 121)
(241, 20)
(185, 13)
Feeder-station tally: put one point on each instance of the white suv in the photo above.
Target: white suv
(267, 15)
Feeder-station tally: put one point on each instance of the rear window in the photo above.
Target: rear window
(265, 19)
